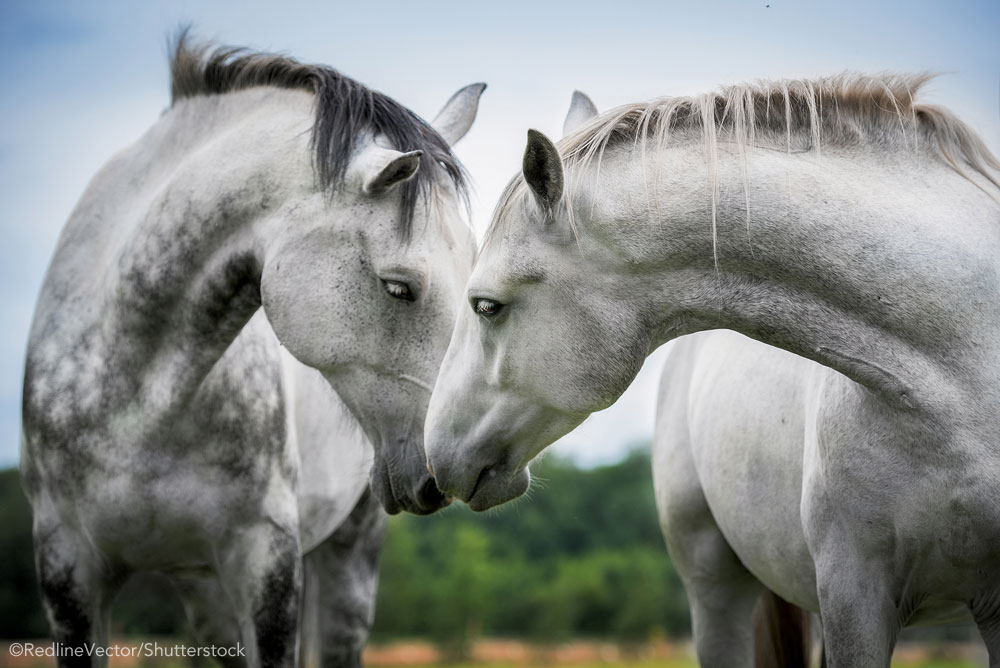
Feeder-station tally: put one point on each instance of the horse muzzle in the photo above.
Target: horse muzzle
(481, 487)
(421, 497)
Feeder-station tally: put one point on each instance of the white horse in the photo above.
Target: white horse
(836, 219)
(172, 424)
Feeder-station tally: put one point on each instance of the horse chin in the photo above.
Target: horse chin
(493, 490)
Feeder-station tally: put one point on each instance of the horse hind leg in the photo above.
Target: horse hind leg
(736, 621)
(721, 592)
(77, 591)
(782, 633)
(722, 597)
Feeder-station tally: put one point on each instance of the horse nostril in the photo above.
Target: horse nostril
(430, 469)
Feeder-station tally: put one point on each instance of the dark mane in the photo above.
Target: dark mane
(344, 110)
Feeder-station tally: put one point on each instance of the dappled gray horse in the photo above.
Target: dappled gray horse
(837, 219)
(168, 418)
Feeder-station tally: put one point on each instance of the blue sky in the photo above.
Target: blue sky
(82, 80)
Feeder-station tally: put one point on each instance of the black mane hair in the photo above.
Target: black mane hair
(344, 110)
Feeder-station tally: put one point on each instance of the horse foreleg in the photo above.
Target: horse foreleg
(77, 591)
(860, 620)
(340, 584)
(276, 605)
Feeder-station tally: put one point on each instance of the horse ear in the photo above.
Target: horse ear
(542, 169)
(581, 110)
(391, 168)
(456, 117)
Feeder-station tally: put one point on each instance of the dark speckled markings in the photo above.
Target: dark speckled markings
(67, 609)
(276, 608)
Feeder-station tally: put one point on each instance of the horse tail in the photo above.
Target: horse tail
(782, 635)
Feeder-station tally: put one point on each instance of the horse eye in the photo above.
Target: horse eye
(486, 307)
(398, 290)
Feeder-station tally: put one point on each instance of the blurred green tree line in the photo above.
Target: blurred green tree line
(582, 555)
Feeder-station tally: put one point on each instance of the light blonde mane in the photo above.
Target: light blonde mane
(845, 110)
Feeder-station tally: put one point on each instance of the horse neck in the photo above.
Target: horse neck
(186, 278)
(881, 266)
